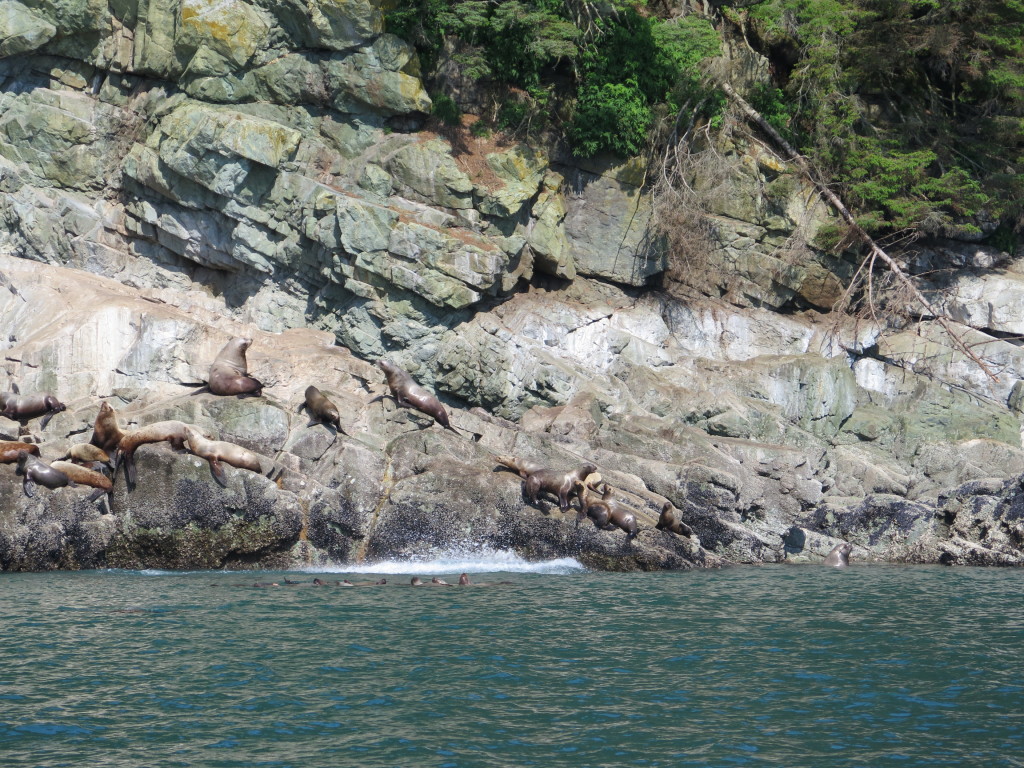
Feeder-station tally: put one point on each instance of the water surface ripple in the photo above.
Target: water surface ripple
(770, 666)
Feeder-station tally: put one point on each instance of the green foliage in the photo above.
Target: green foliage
(445, 109)
(480, 129)
(612, 117)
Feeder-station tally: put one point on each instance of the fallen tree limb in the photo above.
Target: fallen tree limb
(875, 251)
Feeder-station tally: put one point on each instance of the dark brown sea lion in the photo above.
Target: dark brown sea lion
(562, 484)
(172, 432)
(22, 408)
(229, 374)
(83, 476)
(607, 513)
(669, 521)
(9, 450)
(839, 557)
(217, 452)
(408, 394)
(440, 582)
(105, 432)
(37, 471)
(320, 409)
(465, 582)
(416, 582)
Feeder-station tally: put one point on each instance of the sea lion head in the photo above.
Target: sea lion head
(386, 366)
(105, 409)
(416, 582)
(464, 580)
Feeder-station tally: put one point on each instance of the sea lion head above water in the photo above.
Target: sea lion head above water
(229, 373)
(416, 582)
(839, 557)
(464, 580)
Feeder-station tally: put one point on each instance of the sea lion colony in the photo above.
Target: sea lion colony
(95, 464)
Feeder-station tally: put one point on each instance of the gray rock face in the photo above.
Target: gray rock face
(174, 173)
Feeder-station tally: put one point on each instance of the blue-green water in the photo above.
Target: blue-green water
(769, 666)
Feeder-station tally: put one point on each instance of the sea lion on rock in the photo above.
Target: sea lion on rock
(229, 374)
(37, 471)
(106, 434)
(217, 452)
(524, 467)
(839, 557)
(562, 484)
(408, 394)
(83, 476)
(21, 408)
(607, 513)
(9, 450)
(669, 521)
(172, 432)
(89, 455)
(320, 409)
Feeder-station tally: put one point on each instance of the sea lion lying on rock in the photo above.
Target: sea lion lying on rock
(217, 452)
(22, 408)
(669, 521)
(524, 467)
(561, 484)
(408, 394)
(320, 409)
(9, 450)
(172, 432)
(89, 455)
(229, 374)
(82, 476)
(606, 512)
(38, 471)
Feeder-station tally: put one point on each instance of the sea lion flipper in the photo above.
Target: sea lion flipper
(312, 422)
(202, 388)
(46, 420)
(128, 460)
(95, 494)
(29, 487)
(14, 388)
(217, 470)
(72, 483)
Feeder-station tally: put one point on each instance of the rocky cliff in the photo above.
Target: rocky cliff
(174, 173)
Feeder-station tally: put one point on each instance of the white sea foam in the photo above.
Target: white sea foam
(468, 560)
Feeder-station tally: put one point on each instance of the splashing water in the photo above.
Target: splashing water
(468, 559)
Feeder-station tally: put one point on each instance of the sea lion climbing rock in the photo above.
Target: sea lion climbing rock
(408, 394)
(229, 373)
(669, 521)
(561, 484)
(217, 452)
(607, 513)
(320, 409)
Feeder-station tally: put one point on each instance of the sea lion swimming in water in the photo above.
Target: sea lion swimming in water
(37, 471)
(84, 476)
(229, 373)
(408, 394)
(607, 513)
(218, 451)
(320, 409)
(172, 432)
(839, 557)
(22, 408)
(9, 450)
(669, 521)
(106, 435)
(564, 485)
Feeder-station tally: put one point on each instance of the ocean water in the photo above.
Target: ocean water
(748, 666)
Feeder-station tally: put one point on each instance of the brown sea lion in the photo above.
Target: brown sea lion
(408, 394)
(440, 582)
(172, 432)
(22, 408)
(9, 450)
(320, 409)
(229, 374)
(669, 521)
(217, 452)
(839, 557)
(83, 476)
(524, 467)
(416, 582)
(37, 471)
(562, 484)
(89, 455)
(105, 432)
(607, 513)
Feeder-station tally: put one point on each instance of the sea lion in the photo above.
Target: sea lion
(106, 435)
(218, 451)
(607, 513)
(408, 394)
(839, 557)
(172, 432)
(524, 467)
(320, 409)
(229, 374)
(9, 450)
(89, 455)
(562, 484)
(21, 408)
(416, 582)
(37, 471)
(440, 582)
(83, 476)
(669, 521)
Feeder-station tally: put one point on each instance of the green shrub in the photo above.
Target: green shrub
(612, 117)
(445, 109)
